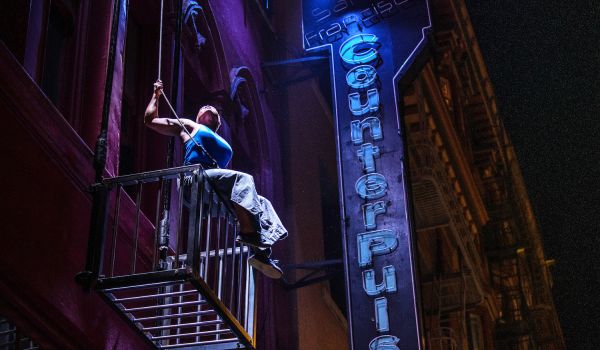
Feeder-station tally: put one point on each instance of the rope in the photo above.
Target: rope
(164, 228)
(214, 162)
(160, 34)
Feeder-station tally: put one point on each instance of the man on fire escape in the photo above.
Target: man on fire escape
(260, 226)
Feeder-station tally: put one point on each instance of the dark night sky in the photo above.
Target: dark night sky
(544, 61)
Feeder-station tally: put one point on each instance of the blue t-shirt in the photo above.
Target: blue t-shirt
(214, 144)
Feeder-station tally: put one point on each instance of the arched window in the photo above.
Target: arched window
(246, 124)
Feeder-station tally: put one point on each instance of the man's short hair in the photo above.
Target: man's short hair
(210, 108)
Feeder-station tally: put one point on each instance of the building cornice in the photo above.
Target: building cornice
(453, 145)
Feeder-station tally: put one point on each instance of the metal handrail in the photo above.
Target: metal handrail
(153, 175)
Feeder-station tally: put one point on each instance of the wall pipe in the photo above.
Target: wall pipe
(163, 230)
(100, 192)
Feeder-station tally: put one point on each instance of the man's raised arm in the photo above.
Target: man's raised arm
(165, 126)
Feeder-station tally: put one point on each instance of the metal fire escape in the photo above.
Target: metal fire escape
(11, 337)
(515, 255)
(447, 295)
(451, 295)
(196, 292)
(516, 260)
(506, 248)
(519, 272)
(162, 249)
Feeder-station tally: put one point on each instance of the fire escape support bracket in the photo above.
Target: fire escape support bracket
(293, 61)
(305, 70)
(319, 271)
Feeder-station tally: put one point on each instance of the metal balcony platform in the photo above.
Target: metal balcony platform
(182, 281)
(175, 309)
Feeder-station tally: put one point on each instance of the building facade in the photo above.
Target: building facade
(70, 72)
(484, 276)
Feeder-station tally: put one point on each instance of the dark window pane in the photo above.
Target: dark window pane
(13, 27)
(58, 57)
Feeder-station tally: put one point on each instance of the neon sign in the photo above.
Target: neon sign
(372, 45)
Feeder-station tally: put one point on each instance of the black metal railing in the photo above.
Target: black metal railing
(13, 338)
(181, 283)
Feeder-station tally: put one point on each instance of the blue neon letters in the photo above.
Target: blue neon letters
(360, 48)
(384, 342)
(375, 243)
(374, 44)
(362, 86)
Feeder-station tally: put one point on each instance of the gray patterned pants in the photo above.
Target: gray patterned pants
(240, 189)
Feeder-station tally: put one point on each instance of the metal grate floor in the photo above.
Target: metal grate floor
(172, 309)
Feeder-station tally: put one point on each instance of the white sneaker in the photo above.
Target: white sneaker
(266, 265)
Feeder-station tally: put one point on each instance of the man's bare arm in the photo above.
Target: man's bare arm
(165, 126)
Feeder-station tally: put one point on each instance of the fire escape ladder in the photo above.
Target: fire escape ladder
(543, 316)
(529, 318)
(193, 290)
(505, 248)
(444, 337)
(453, 299)
(436, 201)
(542, 322)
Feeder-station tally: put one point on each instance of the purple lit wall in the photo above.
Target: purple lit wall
(48, 155)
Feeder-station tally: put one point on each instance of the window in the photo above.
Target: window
(58, 55)
(446, 90)
(140, 148)
(131, 107)
(42, 36)
(13, 28)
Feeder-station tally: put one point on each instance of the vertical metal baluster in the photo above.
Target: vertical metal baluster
(209, 230)
(225, 257)
(251, 301)
(113, 249)
(179, 311)
(179, 233)
(233, 260)
(217, 261)
(239, 285)
(191, 218)
(163, 312)
(208, 234)
(246, 293)
(194, 253)
(138, 202)
(197, 250)
(218, 266)
(199, 317)
(157, 223)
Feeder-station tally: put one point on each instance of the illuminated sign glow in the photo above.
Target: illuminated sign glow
(373, 44)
